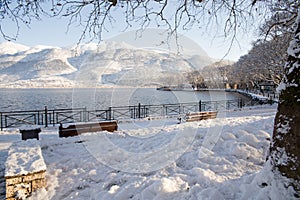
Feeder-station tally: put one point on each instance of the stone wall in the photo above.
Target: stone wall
(21, 186)
(25, 169)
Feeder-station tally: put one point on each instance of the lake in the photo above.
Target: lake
(101, 98)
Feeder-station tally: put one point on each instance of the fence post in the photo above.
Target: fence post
(240, 103)
(46, 116)
(146, 110)
(5, 124)
(1, 121)
(132, 112)
(38, 118)
(109, 113)
(84, 115)
(139, 111)
(53, 122)
(57, 118)
(34, 116)
(166, 110)
(200, 106)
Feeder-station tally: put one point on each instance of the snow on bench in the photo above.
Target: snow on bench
(79, 128)
(24, 170)
(197, 116)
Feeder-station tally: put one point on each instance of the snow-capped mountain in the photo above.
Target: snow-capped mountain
(91, 65)
(11, 48)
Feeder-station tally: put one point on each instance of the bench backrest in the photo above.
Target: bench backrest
(77, 129)
(196, 116)
(202, 113)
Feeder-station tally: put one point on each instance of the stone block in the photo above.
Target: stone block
(13, 180)
(34, 176)
(24, 184)
(22, 177)
(21, 188)
(39, 183)
(10, 192)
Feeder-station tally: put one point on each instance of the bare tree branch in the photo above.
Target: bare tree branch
(94, 16)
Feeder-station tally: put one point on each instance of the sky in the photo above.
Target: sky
(55, 32)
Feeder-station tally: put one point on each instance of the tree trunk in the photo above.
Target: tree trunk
(285, 148)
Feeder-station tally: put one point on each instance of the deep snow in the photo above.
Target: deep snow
(224, 158)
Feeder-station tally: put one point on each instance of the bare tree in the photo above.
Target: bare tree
(196, 79)
(264, 62)
(96, 17)
(269, 57)
(283, 16)
(17, 12)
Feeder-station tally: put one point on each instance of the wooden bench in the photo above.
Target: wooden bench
(197, 116)
(77, 129)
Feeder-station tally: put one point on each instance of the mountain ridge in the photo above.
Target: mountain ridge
(108, 64)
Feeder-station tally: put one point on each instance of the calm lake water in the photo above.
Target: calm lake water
(100, 98)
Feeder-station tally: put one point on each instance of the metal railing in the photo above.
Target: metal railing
(53, 117)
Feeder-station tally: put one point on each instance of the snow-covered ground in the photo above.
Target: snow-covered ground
(223, 158)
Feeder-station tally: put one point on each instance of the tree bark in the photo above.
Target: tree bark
(285, 148)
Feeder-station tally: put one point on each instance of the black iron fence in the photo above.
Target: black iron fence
(53, 117)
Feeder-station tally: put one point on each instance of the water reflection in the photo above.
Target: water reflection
(100, 98)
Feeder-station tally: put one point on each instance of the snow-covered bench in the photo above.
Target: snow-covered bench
(197, 116)
(68, 130)
(24, 170)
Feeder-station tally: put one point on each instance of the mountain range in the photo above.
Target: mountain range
(93, 65)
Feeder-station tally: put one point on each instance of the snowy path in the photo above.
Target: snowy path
(242, 142)
(212, 159)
